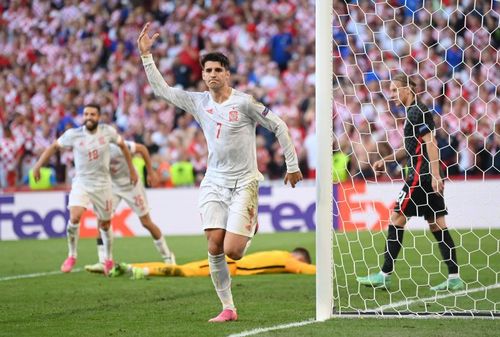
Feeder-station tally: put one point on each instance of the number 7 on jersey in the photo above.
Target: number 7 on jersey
(219, 126)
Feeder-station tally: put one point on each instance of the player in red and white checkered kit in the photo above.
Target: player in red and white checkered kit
(10, 152)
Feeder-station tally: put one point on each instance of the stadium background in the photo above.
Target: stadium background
(56, 56)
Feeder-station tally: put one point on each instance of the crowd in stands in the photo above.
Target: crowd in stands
(449, 48)
(56, 56)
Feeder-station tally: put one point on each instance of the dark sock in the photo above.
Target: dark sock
(447, 248)
(394, 244)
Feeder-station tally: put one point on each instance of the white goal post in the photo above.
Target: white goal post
(324, 131)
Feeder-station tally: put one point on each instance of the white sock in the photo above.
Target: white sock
(72, 232)
(221, 279)
(107, 240)
(101, 251)
(249, 242)
(166, 254)
(453, 276)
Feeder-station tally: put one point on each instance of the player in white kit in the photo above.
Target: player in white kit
(228, 193)
(135, 197)
(92, 181)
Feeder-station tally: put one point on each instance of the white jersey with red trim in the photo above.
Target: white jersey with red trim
(91, 154)
(229, 128)
(120, 174)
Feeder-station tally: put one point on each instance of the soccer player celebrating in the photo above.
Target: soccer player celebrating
(422, 193)
(135, 197)
(92, 181)
(228, 193)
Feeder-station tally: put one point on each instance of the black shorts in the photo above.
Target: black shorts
(420, 200)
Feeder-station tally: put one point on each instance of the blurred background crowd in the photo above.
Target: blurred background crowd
(56, 56)
(449, 48)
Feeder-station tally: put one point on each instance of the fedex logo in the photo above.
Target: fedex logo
(287, 216)
(356, 207)
(28, 223)
(119, 223)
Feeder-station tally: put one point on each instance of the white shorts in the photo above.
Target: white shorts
(134, 196)
(101, 200)
(232, 209)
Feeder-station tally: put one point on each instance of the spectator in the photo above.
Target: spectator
(54, 59)
(281, 44)
(9, 157)
(452, 56)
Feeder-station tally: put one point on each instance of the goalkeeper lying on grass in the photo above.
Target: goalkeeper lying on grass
(268, 262)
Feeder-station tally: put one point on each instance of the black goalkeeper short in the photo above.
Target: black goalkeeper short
(419, 199)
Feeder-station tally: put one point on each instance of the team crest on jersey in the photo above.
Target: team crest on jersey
(102, 141)
(210, 111)
(233, 115)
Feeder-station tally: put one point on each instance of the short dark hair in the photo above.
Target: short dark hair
(215, 57)
(406, 80)
(95, 106)
(304, 252)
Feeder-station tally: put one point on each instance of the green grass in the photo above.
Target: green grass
(418, 267)
(82, 304)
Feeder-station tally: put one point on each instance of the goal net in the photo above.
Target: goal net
(450, 50)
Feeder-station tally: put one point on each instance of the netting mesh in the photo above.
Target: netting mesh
(450, 50)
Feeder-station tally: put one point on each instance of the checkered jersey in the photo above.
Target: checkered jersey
(8, 150)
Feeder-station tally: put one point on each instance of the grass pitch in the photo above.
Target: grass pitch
(83, 304)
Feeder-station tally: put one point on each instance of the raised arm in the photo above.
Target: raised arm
(175, 96)
(47, 153)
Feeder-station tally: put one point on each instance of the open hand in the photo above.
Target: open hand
(134, 177)
(293, 178)
(438, 185)
(144, 42)
(36, 173)
(379, 167)
(153, 179)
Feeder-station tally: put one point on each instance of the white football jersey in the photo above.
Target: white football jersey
(91, 153)
(120, 174)
(229, 129)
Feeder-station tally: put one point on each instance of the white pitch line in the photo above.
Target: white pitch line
(381, 308)
(435, 298)
(276, 327)
(18, 277)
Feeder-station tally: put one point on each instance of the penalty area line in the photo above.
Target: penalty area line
(271, 328)
(48, 273)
